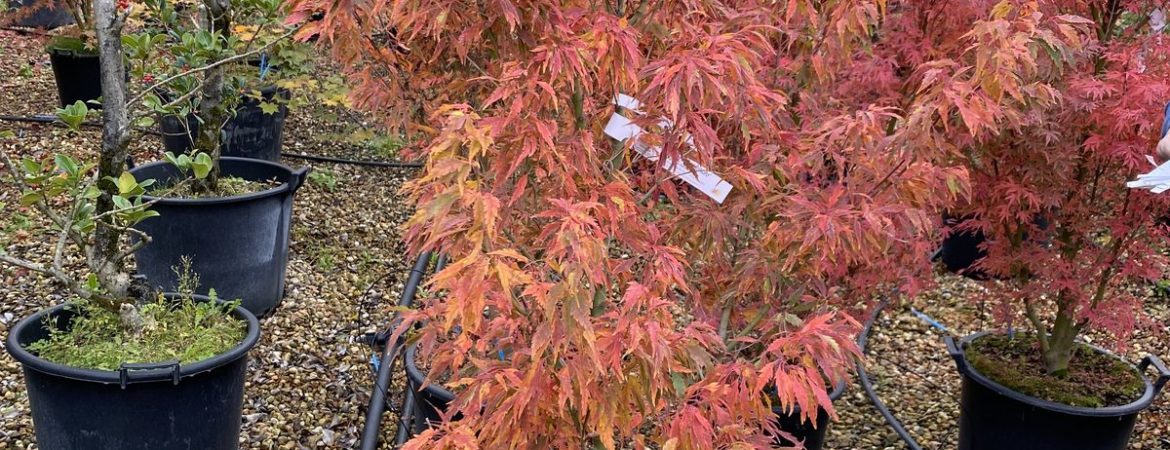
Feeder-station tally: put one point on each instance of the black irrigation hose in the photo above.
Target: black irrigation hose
(391, 164)
(52, 120)
(49, 119)
(389, 355)
(406, 413)
(862, 340)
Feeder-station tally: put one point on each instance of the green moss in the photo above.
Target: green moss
(182, 330)
(1095, 380)
(226, 187)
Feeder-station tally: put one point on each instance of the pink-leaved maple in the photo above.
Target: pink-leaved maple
(593, 300)
(1056, 104)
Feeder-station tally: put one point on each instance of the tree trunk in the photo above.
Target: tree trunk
(212, 109)
(103, 261)
(1061, 344)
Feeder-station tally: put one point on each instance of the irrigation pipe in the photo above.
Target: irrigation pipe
(52, 120)
(326, 159)
(390, 352)
(862, 340)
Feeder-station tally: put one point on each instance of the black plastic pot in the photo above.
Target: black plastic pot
(429, 402)
(43, 14)
(78, 77)
(142, 406)
(993, 417)
(250, 134)
(238, 245)
(960, 249)
(812, 436)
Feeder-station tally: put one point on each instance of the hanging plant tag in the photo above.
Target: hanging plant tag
(690, 171)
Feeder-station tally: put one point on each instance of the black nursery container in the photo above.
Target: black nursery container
(813, 437)
(42, 14)
(164, 406)
(78, 76)
(238, 245)
(993, 417)
(252, 133)
(960, 249)
(429, 402)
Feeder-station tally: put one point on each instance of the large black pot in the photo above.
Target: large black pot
(43, 14)
(78, 76)
(812, 435)
(238, 245)
(429, 402)
(251, 133)
(142, 406)
(993, 417)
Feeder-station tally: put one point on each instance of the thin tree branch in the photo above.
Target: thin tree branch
(213, 65)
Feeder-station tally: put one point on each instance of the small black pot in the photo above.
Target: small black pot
(993, 417)
(812, 436)
(42, 14)
(238, 245)
(142, 406)
(430, 402)
(250, 134)
(78, 75)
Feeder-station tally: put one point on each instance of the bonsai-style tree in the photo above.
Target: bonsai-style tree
(1056, 105)
(102, 206)
(593, 300)
(102, 202)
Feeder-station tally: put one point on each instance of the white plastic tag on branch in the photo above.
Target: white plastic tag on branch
(622, 128)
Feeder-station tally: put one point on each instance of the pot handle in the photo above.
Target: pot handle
(124, 377)
(298, 178)
(1164, 373)
(956, 353)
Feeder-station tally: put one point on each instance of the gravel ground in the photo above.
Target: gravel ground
(309, 377)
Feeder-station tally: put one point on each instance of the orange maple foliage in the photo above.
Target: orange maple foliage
(631, 309)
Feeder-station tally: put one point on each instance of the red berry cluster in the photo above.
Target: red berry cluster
(148, 78)
(123, 5)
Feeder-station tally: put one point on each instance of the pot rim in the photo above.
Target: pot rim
(34, 362)
(70, 53)
(295, 178)
(1131, 408)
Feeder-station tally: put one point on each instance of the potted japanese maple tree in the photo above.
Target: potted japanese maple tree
(676, 271)
(1055, 106)
(156, 371)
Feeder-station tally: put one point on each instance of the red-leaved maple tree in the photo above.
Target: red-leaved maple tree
(1057, 104)
(594, 300)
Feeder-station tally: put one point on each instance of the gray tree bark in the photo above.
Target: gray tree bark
(103, 258)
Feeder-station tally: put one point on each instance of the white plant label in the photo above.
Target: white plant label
(1157, 181)
(690, 171)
